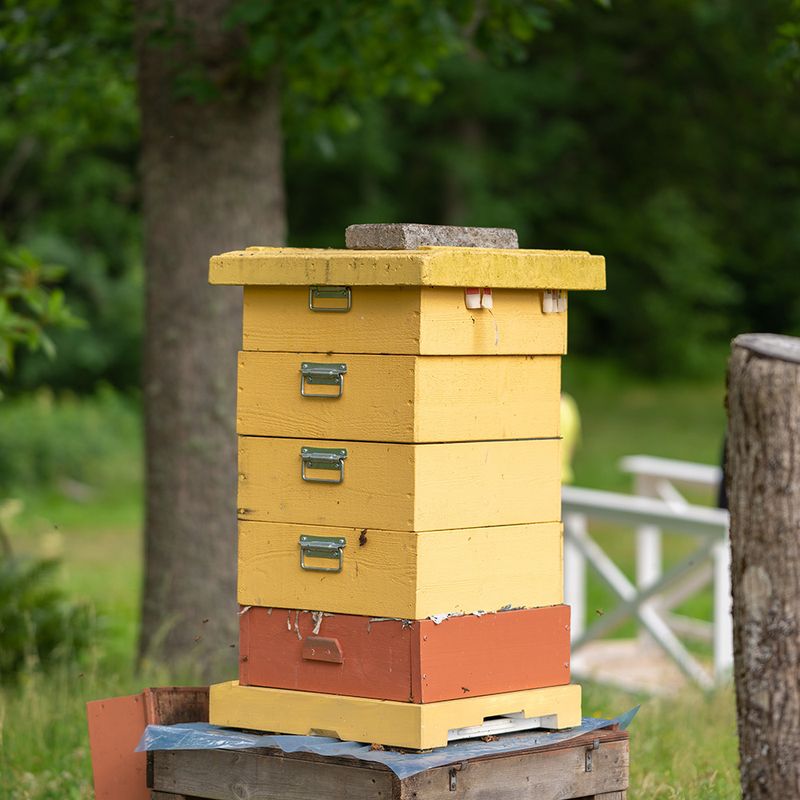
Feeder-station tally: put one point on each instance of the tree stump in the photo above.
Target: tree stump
(763, 482)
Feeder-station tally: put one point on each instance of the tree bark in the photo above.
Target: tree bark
(211, 181)
(763, 481)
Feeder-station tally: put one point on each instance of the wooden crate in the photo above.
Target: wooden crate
(400, 487)
(380, 398)
(400, 573)
(417, 661)
(589, 767)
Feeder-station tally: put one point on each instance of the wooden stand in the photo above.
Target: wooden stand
(590, 767)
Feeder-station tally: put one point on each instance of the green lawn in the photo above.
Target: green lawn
(680, 748)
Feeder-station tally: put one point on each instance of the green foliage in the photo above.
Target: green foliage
(658, 133)
(335, 55)
(29, 305)
(68, 149)
(786, 48)
(39, 625)
(46, 439)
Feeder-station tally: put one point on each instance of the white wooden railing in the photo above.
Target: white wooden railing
(657, 509)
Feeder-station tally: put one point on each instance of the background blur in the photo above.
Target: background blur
(663, 134)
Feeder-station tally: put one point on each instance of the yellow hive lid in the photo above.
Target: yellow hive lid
(499, 268)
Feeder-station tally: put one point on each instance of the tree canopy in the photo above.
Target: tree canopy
(663, 134)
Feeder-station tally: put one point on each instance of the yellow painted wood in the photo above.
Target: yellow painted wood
(403, 320)
(401, 574)
(427, 266)
(404, 487)
(402, 398)
(387, 722)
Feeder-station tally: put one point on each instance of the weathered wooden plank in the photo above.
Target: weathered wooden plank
(233, 775)
(393, 659)
(169, 705)
(403, 487)
(428, 266)
(536, 775)
(417, 726)
(400, 398)
(403, 320)
(557, 772)
(402, 574)
(170, 796)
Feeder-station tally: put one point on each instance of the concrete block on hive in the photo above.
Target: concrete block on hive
(410, 236)
(418, 661)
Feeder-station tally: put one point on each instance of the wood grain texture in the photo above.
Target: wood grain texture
(232, 775)
(762, 468)
(403, 486)
(418, 726)
(505, 652)
(401, 574)
(536, 775)
(226, 775)
(427, 266)
(402, 320)
(392, 659)
(402, 398)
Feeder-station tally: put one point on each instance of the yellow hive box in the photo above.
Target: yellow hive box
(398, 398)
(417, 726)
(401, 320)
(402, 487)
(399, 574)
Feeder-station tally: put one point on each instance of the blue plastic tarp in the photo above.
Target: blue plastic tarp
(202, 736)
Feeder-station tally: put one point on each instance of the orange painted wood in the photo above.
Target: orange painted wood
(375, 656)
(504, 652)
(409, 661)
(116, 725)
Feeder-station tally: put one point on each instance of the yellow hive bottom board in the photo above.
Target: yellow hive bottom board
(403, 487)
(384, 722)
(402, 574)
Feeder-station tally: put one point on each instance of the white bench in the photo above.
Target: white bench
(657, 508)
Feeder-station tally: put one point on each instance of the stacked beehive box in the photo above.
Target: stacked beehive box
(400, 544)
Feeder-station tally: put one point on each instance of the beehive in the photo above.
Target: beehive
(400, 545)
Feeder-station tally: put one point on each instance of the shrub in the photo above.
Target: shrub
(39, 624)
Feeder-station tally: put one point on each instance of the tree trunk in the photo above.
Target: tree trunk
(211, 177)
(763, 480)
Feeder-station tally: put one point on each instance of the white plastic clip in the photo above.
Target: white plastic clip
(472, 297)
(554, 301)
(486, 299)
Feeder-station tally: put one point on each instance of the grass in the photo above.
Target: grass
(681, 748)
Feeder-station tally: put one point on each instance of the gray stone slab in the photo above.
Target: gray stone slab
(410, 236)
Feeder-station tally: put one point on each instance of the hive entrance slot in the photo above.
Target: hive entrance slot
(504, 723)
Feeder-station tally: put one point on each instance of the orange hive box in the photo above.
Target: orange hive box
(417, 661)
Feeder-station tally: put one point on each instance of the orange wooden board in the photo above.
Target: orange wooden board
(116, 725)
(408, 661)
